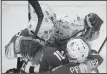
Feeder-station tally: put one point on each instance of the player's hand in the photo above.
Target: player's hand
(26, 46)
(93, 20)
(22, 44)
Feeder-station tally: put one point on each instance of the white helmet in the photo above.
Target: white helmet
(77, 49)
(47, 24)
(68, 26)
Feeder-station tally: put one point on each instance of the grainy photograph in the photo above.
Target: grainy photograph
(53, 37)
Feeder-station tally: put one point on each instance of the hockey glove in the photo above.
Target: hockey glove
(27, 46)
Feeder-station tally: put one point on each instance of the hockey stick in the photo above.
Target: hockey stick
(102, 45)
(29, 12)
(38, 10)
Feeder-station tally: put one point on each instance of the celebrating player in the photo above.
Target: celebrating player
(82, 59)
(57, 41)
(52, 33)
(66, 28)
(10, 49)
(71, 26)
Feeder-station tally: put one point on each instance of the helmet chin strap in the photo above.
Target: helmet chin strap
(75, 60)
(71, 59)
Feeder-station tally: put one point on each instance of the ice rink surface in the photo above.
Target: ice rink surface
(15, 18)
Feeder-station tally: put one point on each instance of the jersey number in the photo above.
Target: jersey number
(59, 55)
(94, 63)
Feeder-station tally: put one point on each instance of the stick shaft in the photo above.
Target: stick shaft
(102, 45)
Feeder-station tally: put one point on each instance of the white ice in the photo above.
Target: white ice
(15, 18)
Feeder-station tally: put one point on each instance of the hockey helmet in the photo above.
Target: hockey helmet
(78, 50)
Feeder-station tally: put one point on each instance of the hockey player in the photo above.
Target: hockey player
(91, 28)
(28, 33)
(66, 28)
(32, 50)
(47, 15)
(57, 43)
(63, 30)
(71, 26)
(46, 25)
(53, 57)
(79, 55)
(31, 29)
